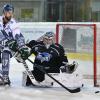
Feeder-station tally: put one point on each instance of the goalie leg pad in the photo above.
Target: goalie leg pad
(38, 76)
(48, 82)
(24, 79)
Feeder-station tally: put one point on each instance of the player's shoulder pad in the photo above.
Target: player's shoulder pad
(13, 20)
(59, 47)
(13, 24)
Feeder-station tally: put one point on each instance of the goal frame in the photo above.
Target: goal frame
(94, 47)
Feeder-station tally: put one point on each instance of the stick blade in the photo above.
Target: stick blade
(74, 90)
(97, 91)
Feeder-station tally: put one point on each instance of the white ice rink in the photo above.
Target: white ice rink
(18, 92)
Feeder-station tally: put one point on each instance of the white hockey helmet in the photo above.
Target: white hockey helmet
(48, 38)
(49, 35)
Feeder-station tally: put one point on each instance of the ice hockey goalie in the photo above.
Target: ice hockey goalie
(51, 56)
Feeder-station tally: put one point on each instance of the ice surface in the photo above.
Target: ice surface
(18, 92)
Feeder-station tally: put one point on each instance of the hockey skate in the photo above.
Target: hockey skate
(69, 68)
(1, 80)
(6, 80)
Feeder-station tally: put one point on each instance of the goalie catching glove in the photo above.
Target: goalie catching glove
(69, 68)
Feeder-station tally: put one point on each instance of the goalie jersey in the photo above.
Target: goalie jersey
(56, 52)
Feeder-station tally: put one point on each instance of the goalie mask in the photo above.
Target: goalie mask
(48, 39)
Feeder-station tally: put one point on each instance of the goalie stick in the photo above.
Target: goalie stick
(70, 90)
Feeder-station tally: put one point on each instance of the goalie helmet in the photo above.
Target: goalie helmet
(48, 39)
(7, 8)
(49, 35)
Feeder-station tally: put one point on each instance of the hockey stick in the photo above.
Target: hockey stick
(70, 90)
(29, 73)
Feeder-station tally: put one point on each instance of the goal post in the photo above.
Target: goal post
(82, 39)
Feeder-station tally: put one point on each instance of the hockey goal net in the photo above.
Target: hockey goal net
(82, 44)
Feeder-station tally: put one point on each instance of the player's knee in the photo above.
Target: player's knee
(38, 75)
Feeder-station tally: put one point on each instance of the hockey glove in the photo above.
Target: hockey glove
(69, 68)
(44, 57)
(25, 52)
(18, 57)
(12, 44)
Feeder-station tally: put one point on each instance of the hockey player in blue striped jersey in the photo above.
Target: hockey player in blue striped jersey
(10, 36)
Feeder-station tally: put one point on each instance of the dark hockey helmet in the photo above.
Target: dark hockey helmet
(8, 7)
